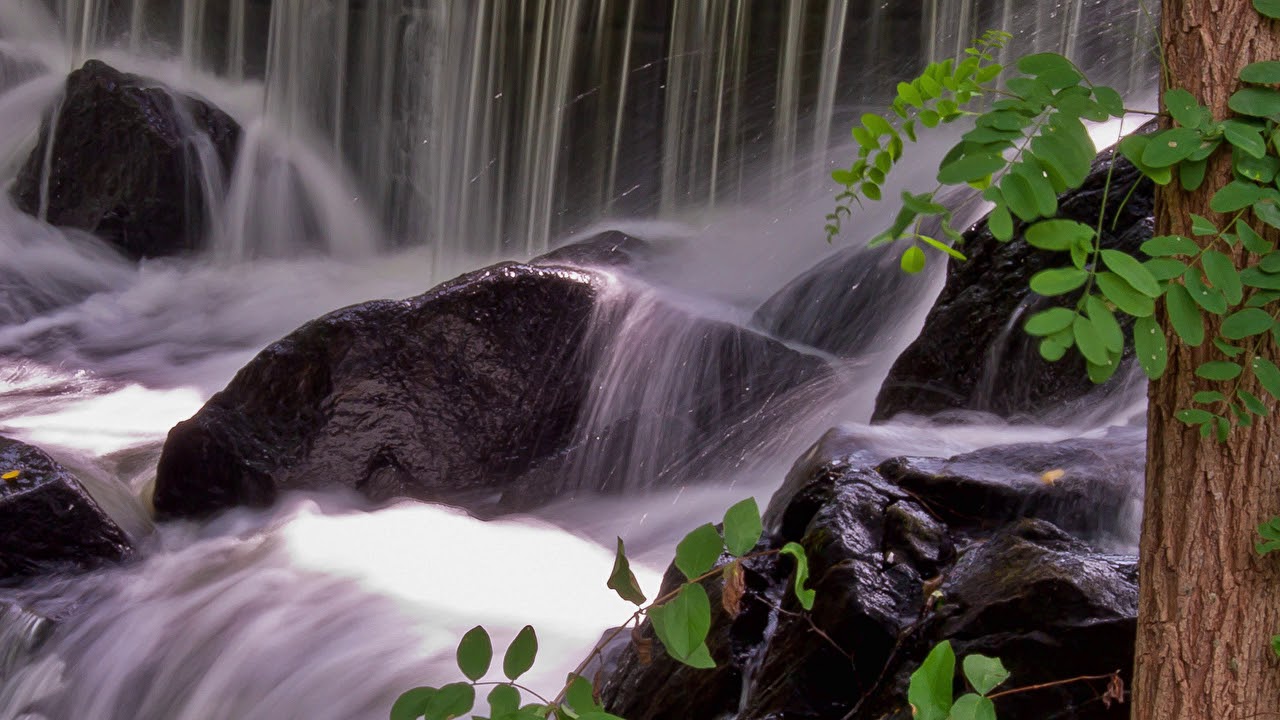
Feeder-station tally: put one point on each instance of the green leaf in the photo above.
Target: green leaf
(912, 260)
(1269, 531)
(1165, 268)
(1208, 298)
(1183, 106)
(1090, 341)
(973, 707)
(1202, 226)
(1267, 212)
(580, 695)
(1208, 397)
(682, 624)
(1245, 136)
(521, 653)
(876, 125)
(1055, 70)
(1253, 242)
(1270, 263)
(1168, 245)
(1184, 315)
(1256, 102)
(622, 580)
(1253, 403)
(1246, 323)
(1058, 234)
(1261, 73)
(803, 594)
(970, 168)
(1000, 223)
(503, 700)
(1020, 197)
(941, 246)
(929, 691)
(1051, 350)
(1260, 170)
(452, 701)
(742, 527)
(1270, 8)
(1110, 100)
(1105, 323)
(1191, 174)
(1194, 416)
(1123, 295)
(1235, 195)
(1268, 374)
(910, 94)
(1133, 272)
(1229, 350)
(1149, 345)
(1057, 281)
(1048, 322)
(1220, 269)
(1218, 370)
(984, 673)
(411, 704)
(698, 552)
(1171, 146)
(475, 652)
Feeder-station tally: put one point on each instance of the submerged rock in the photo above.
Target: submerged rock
(126, 162)
(48, 522)
(896, 570)
(972, 353)
(475, 393)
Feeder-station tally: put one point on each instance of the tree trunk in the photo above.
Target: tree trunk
(1208, 603)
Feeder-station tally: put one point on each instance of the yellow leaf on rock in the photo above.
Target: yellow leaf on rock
(1052, 476)
(11, 475)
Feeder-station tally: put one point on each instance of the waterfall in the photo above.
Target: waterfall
(489, 128)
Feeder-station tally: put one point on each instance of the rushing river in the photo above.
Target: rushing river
(421, 139)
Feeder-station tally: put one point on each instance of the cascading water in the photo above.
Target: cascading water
(390, 144)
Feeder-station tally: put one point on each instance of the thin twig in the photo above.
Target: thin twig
(1055, 683)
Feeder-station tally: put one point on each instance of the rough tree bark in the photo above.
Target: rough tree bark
(1208, 604)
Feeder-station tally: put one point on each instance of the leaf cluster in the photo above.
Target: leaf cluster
(930, 691)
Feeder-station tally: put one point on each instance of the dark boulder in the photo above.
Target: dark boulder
(897, 571)
(126, 162)
(844, 305)
(479, 393)
(48, 522)
(972, 353)
(611, 248)
(445, 396)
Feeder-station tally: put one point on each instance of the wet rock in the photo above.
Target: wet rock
(478, 393)
(445, 397)
(843, 304)
(896, 571)
(611, 248)
(126, 162)
(972, 353)
(48, 522)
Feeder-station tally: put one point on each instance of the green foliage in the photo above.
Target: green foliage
(930, 691)
(681, 619)
(1030, 145)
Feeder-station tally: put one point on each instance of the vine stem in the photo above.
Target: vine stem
(518, 686)
(1055, 683)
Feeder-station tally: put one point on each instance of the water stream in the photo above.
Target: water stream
(389, 145)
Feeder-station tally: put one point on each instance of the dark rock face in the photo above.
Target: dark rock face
(842, 305)
(972, 340)
(897, 570)
(48, 523)
(611, 248)
(474, 394)
(125, 162)
(440, 397)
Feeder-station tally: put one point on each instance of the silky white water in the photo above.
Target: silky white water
(389, 146)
